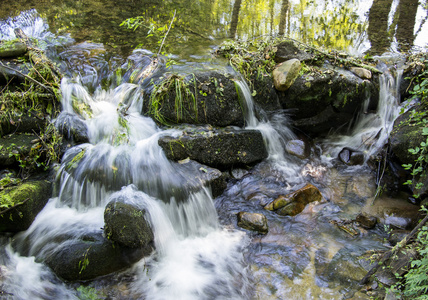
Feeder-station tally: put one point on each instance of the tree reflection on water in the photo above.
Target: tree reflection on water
(373, 26)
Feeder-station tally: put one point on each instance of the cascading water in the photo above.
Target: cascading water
(276, 134)
(371, 130)
(194, 259)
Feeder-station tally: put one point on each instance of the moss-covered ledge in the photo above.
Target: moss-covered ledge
(19, 205)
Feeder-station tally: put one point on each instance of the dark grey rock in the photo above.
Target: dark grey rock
(222, 149)
(126, 224)
(91, 256)
(351, 157)
(72, 127)
(288, 50)
(298, 148)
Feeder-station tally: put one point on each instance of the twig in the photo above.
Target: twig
(389, 253)
(169, 28)
(10, 208)
(29, 78)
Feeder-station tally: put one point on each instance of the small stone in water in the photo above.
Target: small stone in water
(253, 221)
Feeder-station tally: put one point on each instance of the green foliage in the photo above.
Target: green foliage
(185, 100)
(414, 284)
(154, 30)
(419, 118)
(43, 152)
(84, 262)
(88, 293)
(8, 179)
(252, 59)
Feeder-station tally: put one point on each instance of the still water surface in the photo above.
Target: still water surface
(354, 26)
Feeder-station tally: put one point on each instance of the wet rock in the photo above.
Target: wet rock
(298, 148)
(351, 157)
(205, 98)
(366, 221)
(238, 173)
(126, 224)
(361, 72)
(394, 212)
(294, 203)
(253, 221)
(12, 49)
(326, 99)
(265, 96)
(217, 148)
(285, 74)
(405, 136)
(288, 50)
(26, 201)
(180, 178)
(91, 256)
(72, 127)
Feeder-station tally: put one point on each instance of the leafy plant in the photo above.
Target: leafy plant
(184, 98)
(419, 118)
(88, 293)
(416, 286)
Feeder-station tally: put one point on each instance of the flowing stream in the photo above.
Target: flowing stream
(196, 257)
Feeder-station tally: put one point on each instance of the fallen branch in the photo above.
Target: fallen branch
(389, 253)
(29, 78)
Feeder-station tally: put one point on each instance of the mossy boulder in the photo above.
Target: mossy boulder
(223, 149)
(126, 224)
(204, 98)
(13, 48)
(21, 204)
(286, 73)
(325, 99)
(407, 134)
(90, 256)
(264, 93)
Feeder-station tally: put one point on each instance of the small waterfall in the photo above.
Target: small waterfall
(276, 134)
(372, 130)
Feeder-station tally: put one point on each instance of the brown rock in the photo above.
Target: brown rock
(294, 203)
(366, 221)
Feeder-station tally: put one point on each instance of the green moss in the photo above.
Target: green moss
(17, 195)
